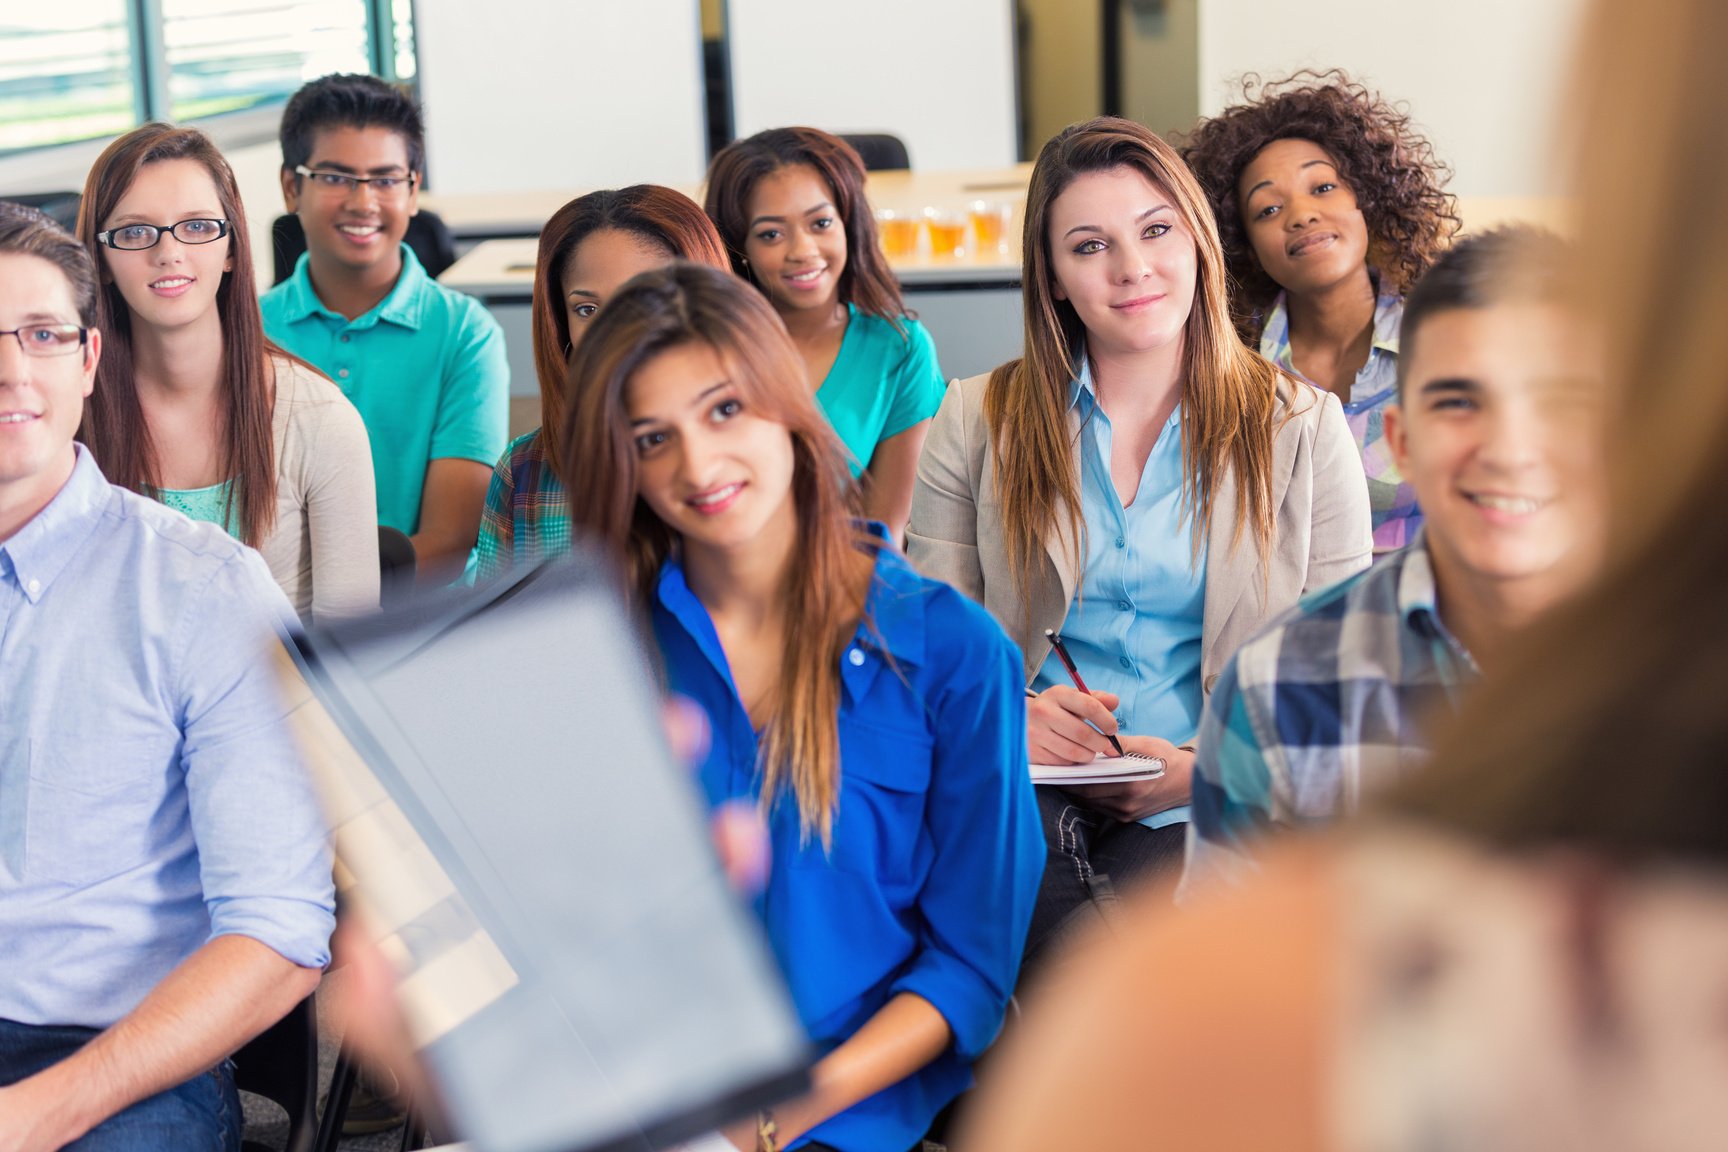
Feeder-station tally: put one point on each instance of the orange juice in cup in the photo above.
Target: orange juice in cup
(899, 233)
(990, 224)
(947, 233)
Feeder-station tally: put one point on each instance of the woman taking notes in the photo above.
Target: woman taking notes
(790, 206)
(1329, 206)
(877, 715)
(589, 248)
(1138, 481)
(193, 406)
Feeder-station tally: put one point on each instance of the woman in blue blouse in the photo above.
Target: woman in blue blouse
(877, 715)
(789, 203)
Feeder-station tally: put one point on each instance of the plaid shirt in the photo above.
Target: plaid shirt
(1324, 705)
(1391, 499)
(527, 517)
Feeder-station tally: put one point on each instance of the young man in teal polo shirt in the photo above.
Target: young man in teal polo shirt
(424, 365)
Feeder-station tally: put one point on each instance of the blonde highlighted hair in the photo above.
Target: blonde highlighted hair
(1229, 392)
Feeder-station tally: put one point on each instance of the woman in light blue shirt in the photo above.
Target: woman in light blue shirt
(789, 203)
(877, 715)
(1139, 481)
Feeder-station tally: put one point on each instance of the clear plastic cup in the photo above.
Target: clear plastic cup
(947, 233)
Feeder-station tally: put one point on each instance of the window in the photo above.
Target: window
(65, 72)
(83, 69)
(225, 55)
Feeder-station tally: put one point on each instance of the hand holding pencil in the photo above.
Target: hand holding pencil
(1071, 725)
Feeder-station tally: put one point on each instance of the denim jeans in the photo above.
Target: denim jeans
(201, 1115)
(1091, 861)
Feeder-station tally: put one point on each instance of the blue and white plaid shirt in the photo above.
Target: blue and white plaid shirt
(1329, 702)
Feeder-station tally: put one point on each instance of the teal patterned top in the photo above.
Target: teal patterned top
(213, 505)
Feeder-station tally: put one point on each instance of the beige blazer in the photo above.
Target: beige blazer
(1321, 527)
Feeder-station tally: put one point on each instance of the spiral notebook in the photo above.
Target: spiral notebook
(1103, 770)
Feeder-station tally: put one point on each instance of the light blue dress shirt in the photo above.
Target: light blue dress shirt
(151, 797)
(937, 852)
(1134, 626)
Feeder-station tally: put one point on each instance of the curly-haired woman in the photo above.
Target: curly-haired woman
(1330, 207)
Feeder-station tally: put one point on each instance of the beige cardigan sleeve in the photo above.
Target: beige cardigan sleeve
(942, 534)
(1341, 532)
(324, 550)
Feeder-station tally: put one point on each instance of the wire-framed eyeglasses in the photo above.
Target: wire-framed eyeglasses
(345, 182)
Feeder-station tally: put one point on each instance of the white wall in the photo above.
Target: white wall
(531, 95)
(937, 73)
(1481, 77)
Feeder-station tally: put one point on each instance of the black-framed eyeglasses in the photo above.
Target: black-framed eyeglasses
(137, 237)
(49, 339)
(346, 182)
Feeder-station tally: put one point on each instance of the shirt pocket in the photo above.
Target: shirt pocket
(92, 811)
(884, 791)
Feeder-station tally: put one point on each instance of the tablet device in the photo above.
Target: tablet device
(507, 809)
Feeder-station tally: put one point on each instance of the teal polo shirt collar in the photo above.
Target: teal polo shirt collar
(405, 305)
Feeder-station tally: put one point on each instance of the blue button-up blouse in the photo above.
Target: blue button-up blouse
(936, 850)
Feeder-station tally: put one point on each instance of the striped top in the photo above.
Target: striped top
(1391, 499)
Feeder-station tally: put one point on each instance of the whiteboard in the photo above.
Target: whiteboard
(939, 74)
(533, 95)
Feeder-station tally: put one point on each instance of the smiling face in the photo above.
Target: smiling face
(794, 239)
(1122, 257)
(1301, 218)
(600, 265)
(1496, 432)
(41, 397)
(355, 230)
(712, 470)
(174, 283)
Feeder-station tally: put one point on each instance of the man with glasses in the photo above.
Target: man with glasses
(165, 883)
(424, 365)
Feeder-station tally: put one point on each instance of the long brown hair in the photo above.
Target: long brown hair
(1603, 725)
(1228, 392)
(667, 220)
(865, 283)
(824, 592)
(114, 426)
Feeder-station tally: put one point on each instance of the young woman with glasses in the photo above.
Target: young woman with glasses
(193, 406)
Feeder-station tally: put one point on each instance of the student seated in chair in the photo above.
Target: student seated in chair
(165, 886)
(424, 365)
(1333, 701)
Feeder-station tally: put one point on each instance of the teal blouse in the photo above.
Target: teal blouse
(882, 383)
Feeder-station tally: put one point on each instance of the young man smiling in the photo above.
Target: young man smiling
(1493, 427)
(424, 365)
(165, 876)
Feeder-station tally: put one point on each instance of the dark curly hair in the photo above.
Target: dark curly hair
(1388, 165)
